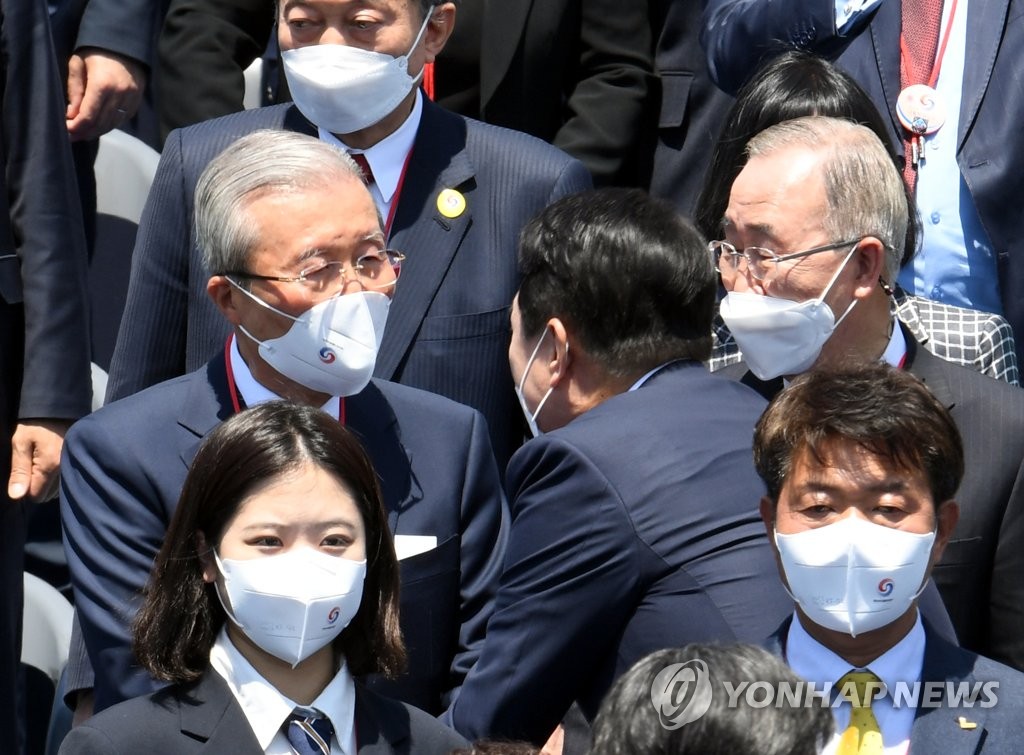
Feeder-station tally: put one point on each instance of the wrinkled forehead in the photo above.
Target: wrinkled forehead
(781, 189)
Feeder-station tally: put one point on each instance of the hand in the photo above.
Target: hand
(35, 461)
(104, 90)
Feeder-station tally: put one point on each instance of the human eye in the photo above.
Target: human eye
(336, 543)
(265, 542)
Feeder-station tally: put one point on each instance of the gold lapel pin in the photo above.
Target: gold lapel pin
(451, 203)
(965, 724)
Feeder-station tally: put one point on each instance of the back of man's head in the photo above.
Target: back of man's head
(629, 276)
(864, 190)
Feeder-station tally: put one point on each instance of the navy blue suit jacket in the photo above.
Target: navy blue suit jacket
(635, 528)
(205, 717)
(124, 465)
(448, 327)
(998, 728)
(737, 34)
(980, 573)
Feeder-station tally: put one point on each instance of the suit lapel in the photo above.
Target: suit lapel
(939, 729)
(986, 22)
(429, 239)
(885, 38)
(921, 363)
(503, 24)
(208, 404)
(296, 121)
(209, 713)
(380, 729)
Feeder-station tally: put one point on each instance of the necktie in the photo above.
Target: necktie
(308, 732)
(920, 36)
(364, 166)
(862, 736)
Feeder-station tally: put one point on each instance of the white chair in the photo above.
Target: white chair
(124, 168)
(46, 628)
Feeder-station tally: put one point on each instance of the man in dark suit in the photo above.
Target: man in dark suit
(44, 359)
(576, 73)
(454, 194)
(861, 466)
(285, 225)
(634, 519)
(827, 188)
(967, 184)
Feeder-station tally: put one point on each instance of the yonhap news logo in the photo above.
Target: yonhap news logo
(682, 693)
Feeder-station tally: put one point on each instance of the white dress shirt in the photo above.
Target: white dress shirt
(901, 663)
(266, 709)
(386, 158)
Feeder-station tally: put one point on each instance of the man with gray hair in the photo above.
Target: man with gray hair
(814, 234)
(301, 273)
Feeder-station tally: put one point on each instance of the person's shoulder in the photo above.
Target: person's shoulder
(141, 724)
(217, 133)
(398, 721)
(964, 384)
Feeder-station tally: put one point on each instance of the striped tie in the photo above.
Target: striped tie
(308, 732)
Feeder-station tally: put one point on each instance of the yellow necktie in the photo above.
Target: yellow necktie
(862, 736)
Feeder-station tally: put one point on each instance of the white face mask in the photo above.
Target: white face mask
(531, 417)
(345, 89)
(331, 347)
(294, 603)
(779, 336)
(854, 576)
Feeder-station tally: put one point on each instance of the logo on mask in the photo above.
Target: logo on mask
(333, 615)
(327, 356)
(885, 587)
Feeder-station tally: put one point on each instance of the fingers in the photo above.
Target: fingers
(112, 88)
(35, 460)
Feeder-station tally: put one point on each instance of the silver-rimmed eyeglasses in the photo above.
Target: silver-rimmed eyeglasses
(373, 271)
(762, 263)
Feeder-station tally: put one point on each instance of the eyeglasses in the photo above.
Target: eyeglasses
(374, 271)
(762, 263)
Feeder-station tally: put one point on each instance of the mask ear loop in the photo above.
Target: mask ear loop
(416, 43)
(835, 277)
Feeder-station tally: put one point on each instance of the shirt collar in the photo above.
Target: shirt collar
(266, 709)
(387, 157)
(813, 661)
(644, 378)
(253, 392)
(896, 350)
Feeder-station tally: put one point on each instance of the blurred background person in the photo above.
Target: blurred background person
(277, 584)
(44, 342)
(632, 721)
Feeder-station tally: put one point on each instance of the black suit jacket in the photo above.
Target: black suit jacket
(692, 108)
(124, 465)
(634, 529)
(979, 576)
(122, 26)
(205, 717)
(576, 73)
(997, 728)
(448, 326)
(44, 346)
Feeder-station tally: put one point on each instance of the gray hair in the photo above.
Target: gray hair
(863, 188)
(263, 161)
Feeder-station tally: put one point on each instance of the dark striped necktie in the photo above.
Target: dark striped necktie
(308, 732)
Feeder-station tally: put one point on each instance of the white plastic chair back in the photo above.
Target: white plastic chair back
(46, 635)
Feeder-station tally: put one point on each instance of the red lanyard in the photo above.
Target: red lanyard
(934, 77)
(236, 404)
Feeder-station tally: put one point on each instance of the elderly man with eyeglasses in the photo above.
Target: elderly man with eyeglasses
(301, 273)
(814, 233)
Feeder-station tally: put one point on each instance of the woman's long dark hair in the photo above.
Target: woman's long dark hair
(181, 615)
